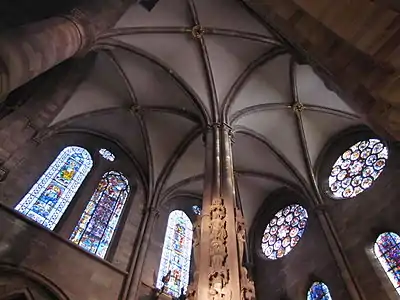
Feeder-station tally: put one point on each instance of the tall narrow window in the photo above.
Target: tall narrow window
(387, 250)
(98, 222)
(50, 196)
(319, 291)
(176, 253)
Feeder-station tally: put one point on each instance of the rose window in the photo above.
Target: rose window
(357, 168)
(284, 231)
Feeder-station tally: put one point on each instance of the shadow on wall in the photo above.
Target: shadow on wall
(23, 284)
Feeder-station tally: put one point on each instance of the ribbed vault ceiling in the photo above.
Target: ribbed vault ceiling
(155, 87)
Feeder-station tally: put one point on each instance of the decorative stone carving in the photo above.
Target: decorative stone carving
(197, 31)
(196, 241)
(219, 273)
(241, 235)
(247, 285)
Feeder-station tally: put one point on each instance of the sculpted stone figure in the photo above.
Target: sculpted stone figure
(241, 235)
(218, 254)
(196, 241)
(247, 285)
(218, 230)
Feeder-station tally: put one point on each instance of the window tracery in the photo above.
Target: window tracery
(50, 196)
(106, 154)
(196, 209)
(319, 291)
(176, 253)
(284, 231)
(357, 168)
(99, 220)
(387, 250)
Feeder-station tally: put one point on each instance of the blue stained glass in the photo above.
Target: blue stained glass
(98, 222)
(196, 209)
(284, 231)
(319, 291)
(387, 250)
(176, 253)
(50, 196)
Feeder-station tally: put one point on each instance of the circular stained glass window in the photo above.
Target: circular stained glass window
(357, 168)
(284, 231)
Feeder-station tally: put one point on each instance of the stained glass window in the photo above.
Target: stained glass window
(107, 154)
(176, 253)
(50, 196)
(387, 250)
(98, 222)
(319, 291)
(196, 209)
(284, 231)
(357, 168)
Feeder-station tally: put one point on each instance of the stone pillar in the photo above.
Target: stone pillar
(218, 260)
(132, 281)
(30, 50)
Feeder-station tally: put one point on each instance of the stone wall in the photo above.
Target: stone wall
(360, 220)
(23, 243)
(310, 260)
(78, 274)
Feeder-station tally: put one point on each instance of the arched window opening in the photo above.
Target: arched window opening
(319, 291)
(99, 220)
(284, 231)
(50, 196)
(387, 250)
(357, 168)
(176, 253)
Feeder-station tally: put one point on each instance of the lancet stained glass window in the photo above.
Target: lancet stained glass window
(284, 231)
(176, 253)
(387, 250)
(357, 168)
(98, 222)
(319, 291)
(50, 196)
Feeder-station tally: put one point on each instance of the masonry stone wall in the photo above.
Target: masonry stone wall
(23, 243)
(310, 260)
(359, 221)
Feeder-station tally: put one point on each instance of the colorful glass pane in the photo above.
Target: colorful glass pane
(319, 291)
(284, 231)
(107, 154)
(357, 168)
(176, 253)
(50, 196)
(387, 250)
(196, 209)
(98, 222)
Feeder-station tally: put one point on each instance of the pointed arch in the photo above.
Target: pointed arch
(50, 196)
(99, 220)
(319, 291)
(387, 250)
(176, 253)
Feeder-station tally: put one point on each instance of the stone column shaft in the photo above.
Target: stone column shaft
(219, 275)
(30, 50)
